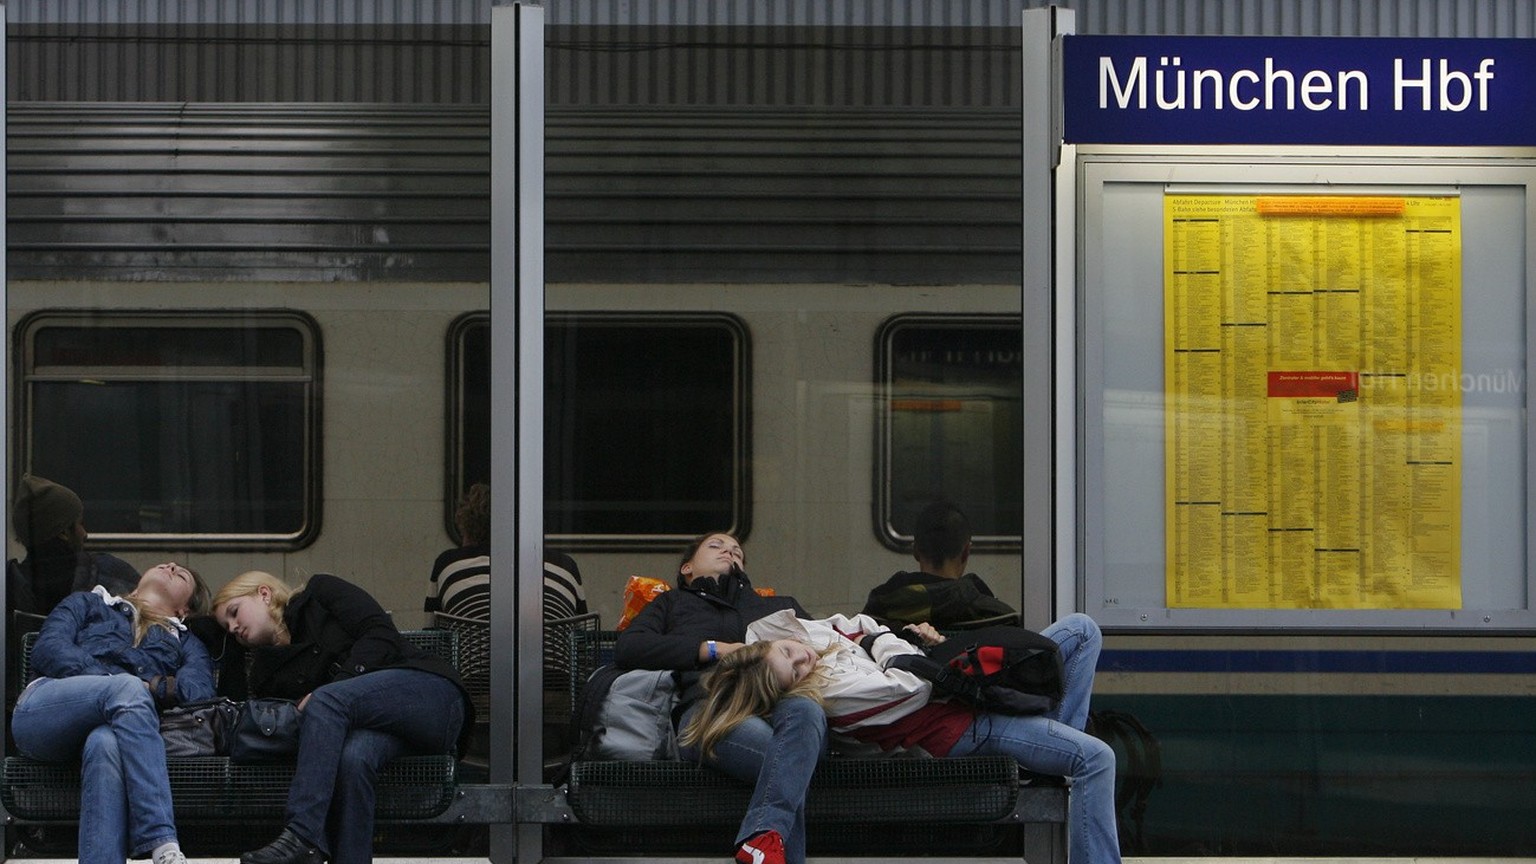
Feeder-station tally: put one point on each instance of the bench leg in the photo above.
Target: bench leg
(1045, 843)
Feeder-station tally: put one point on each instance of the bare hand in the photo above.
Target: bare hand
(304, 701)
(925, 631)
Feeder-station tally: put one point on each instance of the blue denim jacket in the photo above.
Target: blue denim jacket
(84, 635)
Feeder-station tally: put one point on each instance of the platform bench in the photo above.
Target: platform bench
(216, 789)
(853, 802)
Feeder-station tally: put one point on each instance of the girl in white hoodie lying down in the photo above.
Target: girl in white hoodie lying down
(841, 661)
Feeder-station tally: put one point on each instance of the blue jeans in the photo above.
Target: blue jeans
(1079, 639)
(110, 724)
(351, 728)
(777, 756)
(1054, 743)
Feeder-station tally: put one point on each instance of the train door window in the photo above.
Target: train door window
(197, 429)
(644, 431)
(469, 409)
(950, 424)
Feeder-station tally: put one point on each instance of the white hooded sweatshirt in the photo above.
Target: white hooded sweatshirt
(859, 690)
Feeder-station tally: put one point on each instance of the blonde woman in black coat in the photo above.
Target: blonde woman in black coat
(365, 695)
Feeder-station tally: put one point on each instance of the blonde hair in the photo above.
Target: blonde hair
(144, 617)
(248, 583)
(742, 685)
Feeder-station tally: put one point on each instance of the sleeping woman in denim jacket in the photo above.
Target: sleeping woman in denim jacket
(106, 664)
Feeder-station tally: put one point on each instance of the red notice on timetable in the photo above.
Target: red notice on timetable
(1312, 384)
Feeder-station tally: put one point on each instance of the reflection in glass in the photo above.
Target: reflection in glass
(953, 416)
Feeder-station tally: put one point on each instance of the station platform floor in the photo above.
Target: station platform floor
(814, 860)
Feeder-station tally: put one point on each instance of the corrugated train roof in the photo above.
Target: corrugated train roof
(146, 191)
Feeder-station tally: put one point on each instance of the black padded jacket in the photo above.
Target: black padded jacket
(915, 598)
(339, 631)
(667, 632)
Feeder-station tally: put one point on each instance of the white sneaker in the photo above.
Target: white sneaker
(171, 856)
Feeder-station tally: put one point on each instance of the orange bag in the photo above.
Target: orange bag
(639, 591)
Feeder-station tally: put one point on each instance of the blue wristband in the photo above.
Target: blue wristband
(711, 645)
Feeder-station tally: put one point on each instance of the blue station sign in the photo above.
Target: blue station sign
(1265, 90)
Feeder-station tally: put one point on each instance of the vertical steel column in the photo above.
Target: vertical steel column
(1044, 520)
(517, 411)
(1045, 553)
(5, 388)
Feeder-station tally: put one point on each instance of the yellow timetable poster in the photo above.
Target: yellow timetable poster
(1312, 349)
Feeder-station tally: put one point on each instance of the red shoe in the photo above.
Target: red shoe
(765, 848)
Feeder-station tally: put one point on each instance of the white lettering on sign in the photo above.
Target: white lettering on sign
(1449, 81)
(1438, 86)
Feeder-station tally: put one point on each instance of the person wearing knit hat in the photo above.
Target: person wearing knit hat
(44, 510)
(48, 519)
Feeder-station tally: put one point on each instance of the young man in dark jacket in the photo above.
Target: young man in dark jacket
(941, 592)
(687, 630)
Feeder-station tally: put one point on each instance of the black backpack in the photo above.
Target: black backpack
(1002, 669)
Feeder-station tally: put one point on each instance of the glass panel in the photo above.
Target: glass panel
(1274, 460)
(692, 180)
(1359, 729)
(641, 426)
(954, 419)
(639, 374)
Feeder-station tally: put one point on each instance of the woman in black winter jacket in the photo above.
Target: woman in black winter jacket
(365, 694)
(688, 630)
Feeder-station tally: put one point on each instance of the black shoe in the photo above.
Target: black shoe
(286, 849)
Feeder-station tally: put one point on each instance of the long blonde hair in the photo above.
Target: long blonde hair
(739, 686)
(144, 617)
(248, 583)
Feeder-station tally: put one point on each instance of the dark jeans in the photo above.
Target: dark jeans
(351, 729)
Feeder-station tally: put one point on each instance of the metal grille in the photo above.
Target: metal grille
(589, 650)
(212, 787)
(444, 643)
(1500, 18)
(677, 52)
(971, 789)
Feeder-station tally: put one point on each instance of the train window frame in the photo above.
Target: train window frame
(885, 397)
(455, 424)
(461, 402)
(305, 372)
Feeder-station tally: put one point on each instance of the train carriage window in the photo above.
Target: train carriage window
(645, 425)
(950, 424)
(198, 429)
